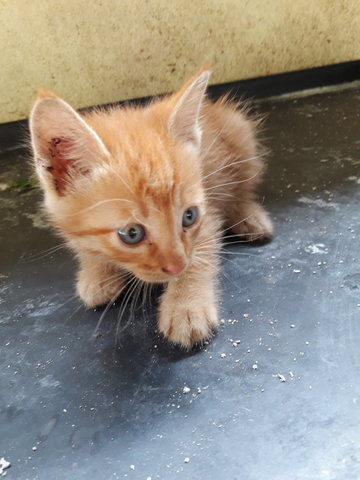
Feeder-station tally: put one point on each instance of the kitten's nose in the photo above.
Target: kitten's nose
(174, 268)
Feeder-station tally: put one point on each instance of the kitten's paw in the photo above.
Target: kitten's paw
(188, 324)
(256, 226)
(97, 290)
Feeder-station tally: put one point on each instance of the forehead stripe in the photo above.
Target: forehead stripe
(92, 232)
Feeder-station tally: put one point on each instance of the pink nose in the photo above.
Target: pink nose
(173, 269)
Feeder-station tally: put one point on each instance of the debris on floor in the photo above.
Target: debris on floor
(4, 465)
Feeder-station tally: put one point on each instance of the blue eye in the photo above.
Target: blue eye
(190, 216)
(132, 235)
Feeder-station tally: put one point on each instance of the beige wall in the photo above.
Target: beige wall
(98, 51)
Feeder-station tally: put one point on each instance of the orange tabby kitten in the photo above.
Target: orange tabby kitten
(146, 191)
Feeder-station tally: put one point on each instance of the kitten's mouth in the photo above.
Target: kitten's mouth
(159, 277)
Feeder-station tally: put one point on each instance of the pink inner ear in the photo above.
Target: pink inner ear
(62, 163)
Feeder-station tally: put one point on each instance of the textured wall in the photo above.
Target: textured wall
(98, 51)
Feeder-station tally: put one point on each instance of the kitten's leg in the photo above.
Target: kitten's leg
(97, 282)
(250, 221)
(188, 309)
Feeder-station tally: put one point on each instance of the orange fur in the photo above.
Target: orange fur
(110, 169)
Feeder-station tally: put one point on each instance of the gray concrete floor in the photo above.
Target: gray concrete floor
(75, 407)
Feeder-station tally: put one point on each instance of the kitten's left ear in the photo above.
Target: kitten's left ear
(184, 119)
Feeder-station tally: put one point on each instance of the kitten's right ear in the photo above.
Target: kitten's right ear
(64, 146)
(184, 120)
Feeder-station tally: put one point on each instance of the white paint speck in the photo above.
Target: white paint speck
(317, 201)
(49, 382)
(316, 248)
(354, 179)
(4, 464)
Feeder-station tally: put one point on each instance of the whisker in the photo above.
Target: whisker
(239, 222)
(145, 290)
(222, 251)
(247, 241)
(124, 183)
(202, 261)
(45, 253)
(223, 258)
(205, 246)
(106, 309)
(220, 194)
(213, 241)
(131, 286)
(136, 298)
(241, 235)
(249, 159)
(71, 298)
(146, 297)
(226, 252)
(228, 120)
(237, 182)
(111, 279)
(129, 294)
(222, 273)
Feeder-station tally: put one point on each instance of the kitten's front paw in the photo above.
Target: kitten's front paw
(95, 290)
(188, 324)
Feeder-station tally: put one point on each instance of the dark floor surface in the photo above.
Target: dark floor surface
(283, 404)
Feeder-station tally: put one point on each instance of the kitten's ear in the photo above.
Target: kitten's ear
(184, 119)
(64, 146)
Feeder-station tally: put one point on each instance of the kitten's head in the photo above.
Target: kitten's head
(125, 184)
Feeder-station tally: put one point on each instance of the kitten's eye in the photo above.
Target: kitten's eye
(132, 234)
(190, 216)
